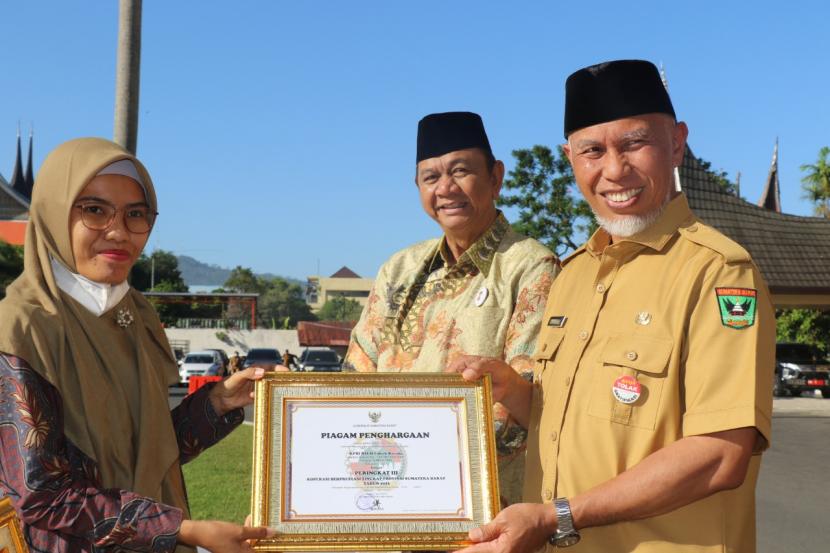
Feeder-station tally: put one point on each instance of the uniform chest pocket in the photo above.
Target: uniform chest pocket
(546, 349)
(628, 379)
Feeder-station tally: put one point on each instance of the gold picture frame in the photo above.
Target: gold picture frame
(372, 461)
(11, 535)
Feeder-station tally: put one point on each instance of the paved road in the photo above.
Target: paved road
(793, 495)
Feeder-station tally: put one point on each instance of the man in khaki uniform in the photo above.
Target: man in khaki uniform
(478, 290)
(289, 359)
(651, 400)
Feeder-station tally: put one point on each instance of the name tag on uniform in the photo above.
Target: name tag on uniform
(557, 321)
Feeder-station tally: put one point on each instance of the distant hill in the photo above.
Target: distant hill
(196, 273)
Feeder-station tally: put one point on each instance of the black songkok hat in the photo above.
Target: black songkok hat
(441, 133)
(614, 90)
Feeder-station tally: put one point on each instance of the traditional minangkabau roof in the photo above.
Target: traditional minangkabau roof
(18, 181)
(12, 204)
(771, 198)
(15, 196)
(29, 174)
(792, 252)
(345, 272)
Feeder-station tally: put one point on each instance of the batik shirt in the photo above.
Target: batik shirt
(424, 312)
(56, 489)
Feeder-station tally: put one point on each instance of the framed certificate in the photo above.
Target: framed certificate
(11, 537)
(372, 461)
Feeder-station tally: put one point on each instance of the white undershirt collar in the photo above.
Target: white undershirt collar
(97, 298)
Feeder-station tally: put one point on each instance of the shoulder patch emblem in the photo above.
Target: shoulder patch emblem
(736, 306)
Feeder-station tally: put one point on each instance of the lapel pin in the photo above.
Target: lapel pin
(481, 296)
(643, 318)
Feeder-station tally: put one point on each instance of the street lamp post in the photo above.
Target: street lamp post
(128, 68)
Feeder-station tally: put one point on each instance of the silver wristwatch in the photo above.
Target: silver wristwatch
(566, 535)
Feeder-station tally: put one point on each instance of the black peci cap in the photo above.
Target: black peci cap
(614, 90)
(441, 133)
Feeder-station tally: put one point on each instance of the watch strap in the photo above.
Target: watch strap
(565, 534)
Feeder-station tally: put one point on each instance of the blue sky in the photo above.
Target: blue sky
(281, 136)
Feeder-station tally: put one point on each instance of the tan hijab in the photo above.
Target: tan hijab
(113, 379)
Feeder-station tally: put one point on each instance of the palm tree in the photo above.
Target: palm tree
(817, 183)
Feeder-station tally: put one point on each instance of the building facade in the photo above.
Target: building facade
(345, 283)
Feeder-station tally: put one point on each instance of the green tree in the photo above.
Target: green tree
(551, 209)
(244, 281)
(805, 326)
(340, 309)
(816, 183)
(162, 268)
(280, 305)
(11, 265)
(719, 177)
(810, 326)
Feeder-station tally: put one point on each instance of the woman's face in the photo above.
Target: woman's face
(106, 256)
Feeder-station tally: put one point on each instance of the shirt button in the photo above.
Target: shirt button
(583, 335)
(548, 495)
(600, 288)
(544, 346)
(567, 381)
(692, 228)
(553, 436)
(631, 355)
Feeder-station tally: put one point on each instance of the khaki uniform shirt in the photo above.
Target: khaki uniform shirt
(683, 312)
(423, 313)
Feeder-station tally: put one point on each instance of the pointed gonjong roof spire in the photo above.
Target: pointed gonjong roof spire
(17, 182)
(771, 197)
(29, 175)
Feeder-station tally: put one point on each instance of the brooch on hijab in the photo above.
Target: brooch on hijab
(124, 318)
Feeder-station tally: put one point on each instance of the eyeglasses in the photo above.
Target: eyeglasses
(99, 215)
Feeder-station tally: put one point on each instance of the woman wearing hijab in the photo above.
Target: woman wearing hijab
(90, 452)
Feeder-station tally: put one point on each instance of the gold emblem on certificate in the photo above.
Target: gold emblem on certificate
(368, 462)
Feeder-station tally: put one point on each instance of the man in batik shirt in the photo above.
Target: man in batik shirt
(478, 290)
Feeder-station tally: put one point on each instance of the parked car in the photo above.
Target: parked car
(225, 360)
(800, 367)
(200, 363)
(262, 356)
(319, 360)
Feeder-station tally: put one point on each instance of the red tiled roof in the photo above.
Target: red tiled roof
(13, 232)
(324, 333)
(345, 272)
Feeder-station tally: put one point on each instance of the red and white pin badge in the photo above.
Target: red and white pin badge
(626, 389)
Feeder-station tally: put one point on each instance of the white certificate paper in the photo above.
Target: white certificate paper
(364, 459)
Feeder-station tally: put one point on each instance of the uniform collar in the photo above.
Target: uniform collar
(656, 236)
(479, 255)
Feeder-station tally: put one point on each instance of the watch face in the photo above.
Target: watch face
(567, 540)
